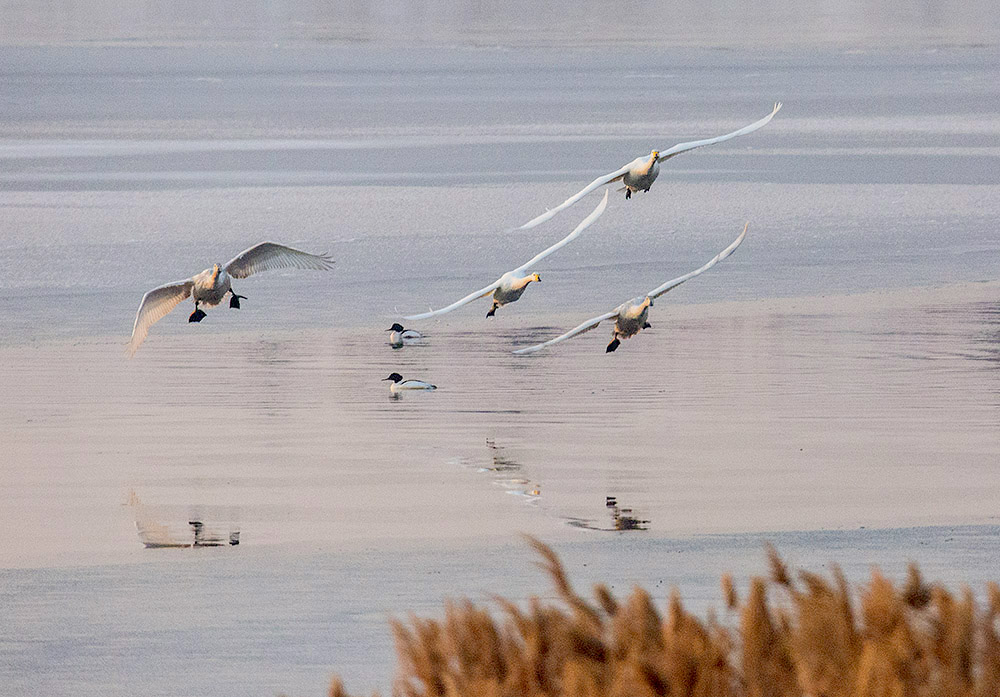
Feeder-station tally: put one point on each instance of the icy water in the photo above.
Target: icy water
(833, 386)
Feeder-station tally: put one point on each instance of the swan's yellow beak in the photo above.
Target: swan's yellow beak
(656, 153)
(537, 278)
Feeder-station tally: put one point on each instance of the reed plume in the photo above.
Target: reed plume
(798, 634)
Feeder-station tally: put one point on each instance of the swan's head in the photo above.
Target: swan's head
(649, 301)
(396, 327)
(395, 377)
(535, 277)
(655, 153)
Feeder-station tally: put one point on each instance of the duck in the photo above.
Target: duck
(400, 336)
(640, 173)
(631, 317)
(399, 384)
(511, 285)
(210, 287)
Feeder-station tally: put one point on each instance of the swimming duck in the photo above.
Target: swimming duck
(398, 384)
(509, 287)
(400, 336)
(630, 317)
(640, 173)
(211, 286)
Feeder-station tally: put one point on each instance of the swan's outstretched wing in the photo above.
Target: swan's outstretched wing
(585, 327)
(596, 184)
(670, 285)
(684, 147)
(481, 293)
(155, 305)
(268, 255)
(584, 224)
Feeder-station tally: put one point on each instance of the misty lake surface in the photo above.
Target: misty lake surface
(833, 387)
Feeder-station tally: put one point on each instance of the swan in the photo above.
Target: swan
(400, 336)
(630, 317)
(509, 287)
(640, 173)
(210, 287)
(398, 384)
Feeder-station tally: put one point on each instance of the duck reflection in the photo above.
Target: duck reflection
(621, 519)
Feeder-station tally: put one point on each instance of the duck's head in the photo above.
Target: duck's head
(396, 327)
(395, 377)
(536, 278)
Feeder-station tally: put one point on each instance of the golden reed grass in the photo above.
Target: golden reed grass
(797, 635)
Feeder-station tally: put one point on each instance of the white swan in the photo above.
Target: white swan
(398, 384)
(210, 286)
(400, 336)
(509, 287)
(630, 317)
(640, 173)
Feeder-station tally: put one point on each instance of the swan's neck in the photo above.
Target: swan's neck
(522, 282)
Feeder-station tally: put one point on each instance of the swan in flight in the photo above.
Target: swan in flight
(509, 287)
(400, 336)
(640, 173)
(210, 287)
(398, 383)
(630, 316)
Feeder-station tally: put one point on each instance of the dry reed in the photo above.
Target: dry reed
(798, 635)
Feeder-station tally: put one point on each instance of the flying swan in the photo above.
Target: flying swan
(512, 284)
(640, 173)
(630, 316)
(210, 287)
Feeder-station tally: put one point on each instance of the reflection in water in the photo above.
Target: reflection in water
(503, 467)
(157, 535)
(509, 475)
(621, 518)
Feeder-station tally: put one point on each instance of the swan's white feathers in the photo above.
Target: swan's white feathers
(154, 306)
(664, 155)
(481, 293)
(585, 327)
(584, 224)
(596, 184)
(268, 256)
(670, 285)
(684, 147)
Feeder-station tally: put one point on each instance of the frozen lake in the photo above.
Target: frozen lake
(833, 386)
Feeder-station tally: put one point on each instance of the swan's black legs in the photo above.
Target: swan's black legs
(493, 310)
(235, 300)
(197, 315)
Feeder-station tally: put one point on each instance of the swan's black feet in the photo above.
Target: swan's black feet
(235, 300)
(493, 311)
(196, 316)
(646, 190)
(613, 345)
(647, 325)
(628, 194)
